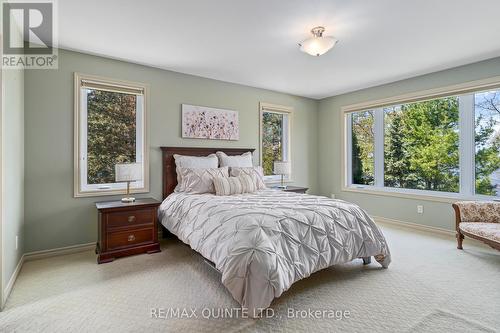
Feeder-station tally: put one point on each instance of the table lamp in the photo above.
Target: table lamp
(128, 172)
(282, 168)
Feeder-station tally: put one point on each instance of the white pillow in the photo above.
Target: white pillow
(198, 181)
(234, 185)
(243, 160)
(256, 173)
(194, 162)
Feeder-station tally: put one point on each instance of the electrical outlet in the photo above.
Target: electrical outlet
(17, 242)
(332, 196)
(420, 209)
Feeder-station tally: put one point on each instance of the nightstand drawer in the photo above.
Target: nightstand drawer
(135, 217)
(121, 239)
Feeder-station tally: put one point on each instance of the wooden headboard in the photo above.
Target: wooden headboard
(170, 175)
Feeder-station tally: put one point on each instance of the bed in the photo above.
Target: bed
(265, 241)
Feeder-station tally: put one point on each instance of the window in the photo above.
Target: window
(275, 138)
(363, 140)
(110, 127)
(487, 142)
(421, 145)
(448, 144)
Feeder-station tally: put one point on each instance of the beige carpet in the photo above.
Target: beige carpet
(429, 287)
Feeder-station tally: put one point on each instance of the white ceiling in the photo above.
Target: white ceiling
(254, 42)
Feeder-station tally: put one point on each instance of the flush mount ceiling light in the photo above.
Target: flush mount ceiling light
(318, 44)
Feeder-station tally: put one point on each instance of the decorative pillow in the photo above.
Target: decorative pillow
(234, 185)
(194, 162)
(243, 160)
(255, 172)
(198, 181)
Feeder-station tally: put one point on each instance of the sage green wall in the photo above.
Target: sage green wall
(13, 169)
(53, 217)
(436, 214)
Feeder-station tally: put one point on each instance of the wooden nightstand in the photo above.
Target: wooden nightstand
(296, 189)
(127, 228)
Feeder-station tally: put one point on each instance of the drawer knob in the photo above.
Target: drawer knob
(131, 238)
(131, 218)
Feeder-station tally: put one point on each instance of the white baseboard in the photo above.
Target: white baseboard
(58, 251)
(39, 255)
(421, 227)
(12, 280)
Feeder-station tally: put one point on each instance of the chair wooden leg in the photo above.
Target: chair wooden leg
(460, 238)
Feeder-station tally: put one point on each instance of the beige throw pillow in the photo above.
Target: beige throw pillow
(254, 172)
(198, 181)
(234, 185)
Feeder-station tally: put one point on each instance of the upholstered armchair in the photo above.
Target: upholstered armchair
(478, 220)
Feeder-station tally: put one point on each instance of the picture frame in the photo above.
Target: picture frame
(201, 122)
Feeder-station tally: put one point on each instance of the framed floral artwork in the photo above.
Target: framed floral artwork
(200, 122)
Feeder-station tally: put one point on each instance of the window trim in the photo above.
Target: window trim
(268, 107)
(119, 84)
(470, 87)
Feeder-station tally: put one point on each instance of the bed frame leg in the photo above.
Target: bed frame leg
(367, 260)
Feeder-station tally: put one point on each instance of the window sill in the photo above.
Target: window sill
(103, 193)
(417, 194)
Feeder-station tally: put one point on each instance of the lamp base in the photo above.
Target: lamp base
(129, 199)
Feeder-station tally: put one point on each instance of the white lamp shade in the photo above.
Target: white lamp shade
(282, 168)
(128, 172)
(317, 46)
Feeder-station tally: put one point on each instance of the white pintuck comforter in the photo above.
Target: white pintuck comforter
(265, 241)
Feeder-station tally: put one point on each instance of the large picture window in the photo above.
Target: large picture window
(448, 145)
(111, 129)
(275, 138)
(487, 142)
(421, 145)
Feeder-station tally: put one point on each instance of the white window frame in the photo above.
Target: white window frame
(287, 140)
(465, 92)
(81, 188)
